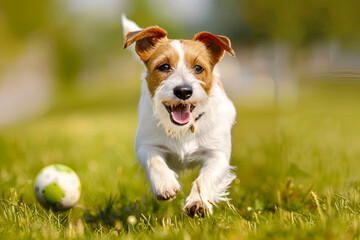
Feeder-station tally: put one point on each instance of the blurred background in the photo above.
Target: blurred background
(50, 48)
(69, 92)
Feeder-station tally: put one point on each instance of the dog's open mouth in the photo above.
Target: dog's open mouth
(180, 114)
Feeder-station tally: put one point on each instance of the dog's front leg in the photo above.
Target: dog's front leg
(211, 185)
(163, 181)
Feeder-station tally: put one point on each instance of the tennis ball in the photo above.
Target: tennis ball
(58, 187)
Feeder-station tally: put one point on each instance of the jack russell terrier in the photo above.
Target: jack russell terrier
(185, 117)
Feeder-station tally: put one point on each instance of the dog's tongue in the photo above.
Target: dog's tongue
(181, 114)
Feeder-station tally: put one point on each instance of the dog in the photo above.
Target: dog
(185, 116)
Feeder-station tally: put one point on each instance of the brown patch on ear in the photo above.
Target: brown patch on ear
(216, 45)
(145, 40)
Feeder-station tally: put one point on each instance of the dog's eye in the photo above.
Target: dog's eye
(198, 69)
(164, 67)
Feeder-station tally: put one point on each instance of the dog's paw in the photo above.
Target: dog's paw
(164, 185)
(168, 194)
(197, 208)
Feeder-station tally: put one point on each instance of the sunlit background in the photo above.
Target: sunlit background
(49, 47)
(69, 94)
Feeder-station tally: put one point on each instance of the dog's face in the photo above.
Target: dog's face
(179, 74)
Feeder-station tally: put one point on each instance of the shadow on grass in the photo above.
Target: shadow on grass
(122, 213)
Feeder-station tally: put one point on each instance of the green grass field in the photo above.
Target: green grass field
(298, 171)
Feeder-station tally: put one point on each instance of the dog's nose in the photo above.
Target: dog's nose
(183, 92)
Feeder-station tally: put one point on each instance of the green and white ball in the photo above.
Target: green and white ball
(58, 187)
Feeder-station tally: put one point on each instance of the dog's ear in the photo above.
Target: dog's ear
(216, 44)
(145, 40)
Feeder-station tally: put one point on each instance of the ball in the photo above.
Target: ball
(57, 187)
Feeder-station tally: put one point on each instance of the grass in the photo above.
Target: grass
(298, 171)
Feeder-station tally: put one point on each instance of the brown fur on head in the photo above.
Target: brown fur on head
(153, 48)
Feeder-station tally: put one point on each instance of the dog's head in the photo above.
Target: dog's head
(179, 73)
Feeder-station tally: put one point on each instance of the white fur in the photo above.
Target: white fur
(128, 25)
(163, 148)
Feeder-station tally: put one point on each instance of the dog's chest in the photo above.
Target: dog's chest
(186, 147)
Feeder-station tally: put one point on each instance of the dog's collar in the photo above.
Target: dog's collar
(201, 114)
(192, 128)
